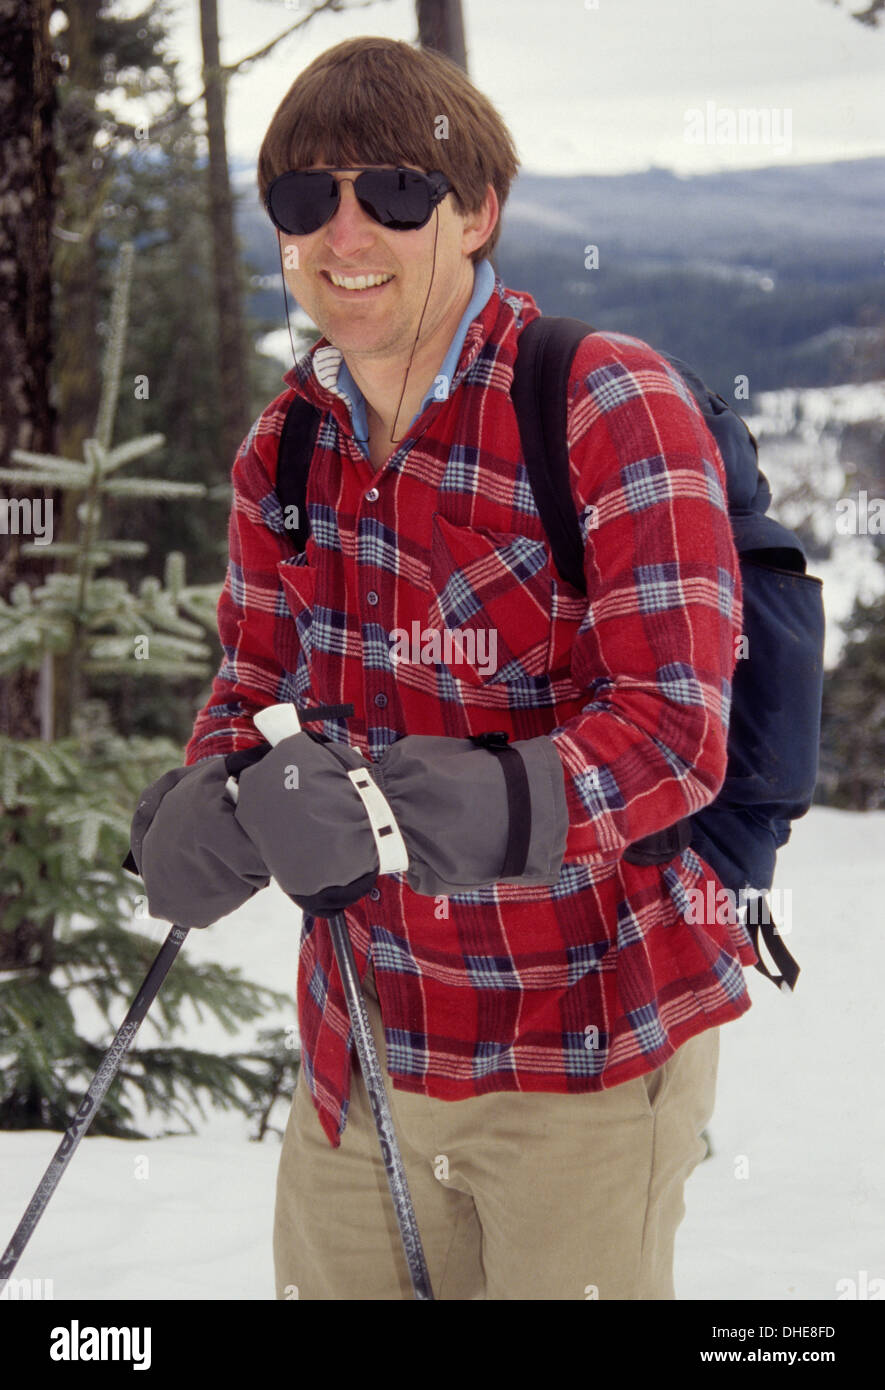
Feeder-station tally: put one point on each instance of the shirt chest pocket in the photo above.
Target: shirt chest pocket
(489, 618)
(293, 640)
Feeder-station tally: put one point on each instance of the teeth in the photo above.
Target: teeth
(359, 282)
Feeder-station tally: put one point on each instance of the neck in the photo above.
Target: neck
(381, 379)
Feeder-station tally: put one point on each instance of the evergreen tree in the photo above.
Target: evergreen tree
(136, 174)
(66, 805)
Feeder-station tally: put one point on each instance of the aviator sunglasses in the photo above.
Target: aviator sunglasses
(300, 202)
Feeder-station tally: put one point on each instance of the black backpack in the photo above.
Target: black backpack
(774, 725)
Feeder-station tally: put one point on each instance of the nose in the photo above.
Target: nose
(349, 229)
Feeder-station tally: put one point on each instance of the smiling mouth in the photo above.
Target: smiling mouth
(357, 282)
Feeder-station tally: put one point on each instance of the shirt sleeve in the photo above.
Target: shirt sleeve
(656, 649)
(252, 603)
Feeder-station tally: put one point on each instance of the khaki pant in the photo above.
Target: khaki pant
(517, 1195)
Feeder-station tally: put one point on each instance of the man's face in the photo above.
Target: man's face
(381, 322)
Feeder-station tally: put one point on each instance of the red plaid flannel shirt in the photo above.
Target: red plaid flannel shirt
(598, 978)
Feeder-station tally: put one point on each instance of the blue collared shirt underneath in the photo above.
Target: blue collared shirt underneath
(483, 284)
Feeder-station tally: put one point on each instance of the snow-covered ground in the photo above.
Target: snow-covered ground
(799, 1113)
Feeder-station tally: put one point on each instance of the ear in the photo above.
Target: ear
(479, 225)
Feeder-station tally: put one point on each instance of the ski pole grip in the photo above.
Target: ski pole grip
(275, 723)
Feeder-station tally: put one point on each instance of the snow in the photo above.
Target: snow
(798, 1108)
(812, 474)
(815, 408)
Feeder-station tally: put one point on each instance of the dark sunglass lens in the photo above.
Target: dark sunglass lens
(395, 197)
(302, 202)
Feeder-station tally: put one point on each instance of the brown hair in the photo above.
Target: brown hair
(380, 101)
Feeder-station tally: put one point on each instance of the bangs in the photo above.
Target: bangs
(378, 120)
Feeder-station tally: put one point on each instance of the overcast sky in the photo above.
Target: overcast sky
(602, 86)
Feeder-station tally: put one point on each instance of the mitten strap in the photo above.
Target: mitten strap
(519, 801)
(393, 857)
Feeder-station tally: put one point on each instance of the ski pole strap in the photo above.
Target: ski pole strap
(786, 980)
(519, 802)
(308, 716)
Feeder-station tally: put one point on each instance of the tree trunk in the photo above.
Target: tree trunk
(27, 195)
(78, 274)
(233, 365)
(441, 26)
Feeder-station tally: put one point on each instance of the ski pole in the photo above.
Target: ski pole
(276, 723)
(91, 1101)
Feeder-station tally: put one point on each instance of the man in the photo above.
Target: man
(547, 1016)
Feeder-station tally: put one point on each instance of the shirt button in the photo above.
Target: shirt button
(374, 894)
(372, 495)
(372, 597)
(380, 701)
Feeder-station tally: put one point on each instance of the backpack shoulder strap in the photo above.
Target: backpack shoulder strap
(540, 396)
(297, 442)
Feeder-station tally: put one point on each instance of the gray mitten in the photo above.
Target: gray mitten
(476, 811)
(197, 863)
(309, 819)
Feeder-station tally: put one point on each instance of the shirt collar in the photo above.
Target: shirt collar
(334, 374)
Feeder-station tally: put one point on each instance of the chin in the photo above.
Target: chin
(349, 332)
(354, 342)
